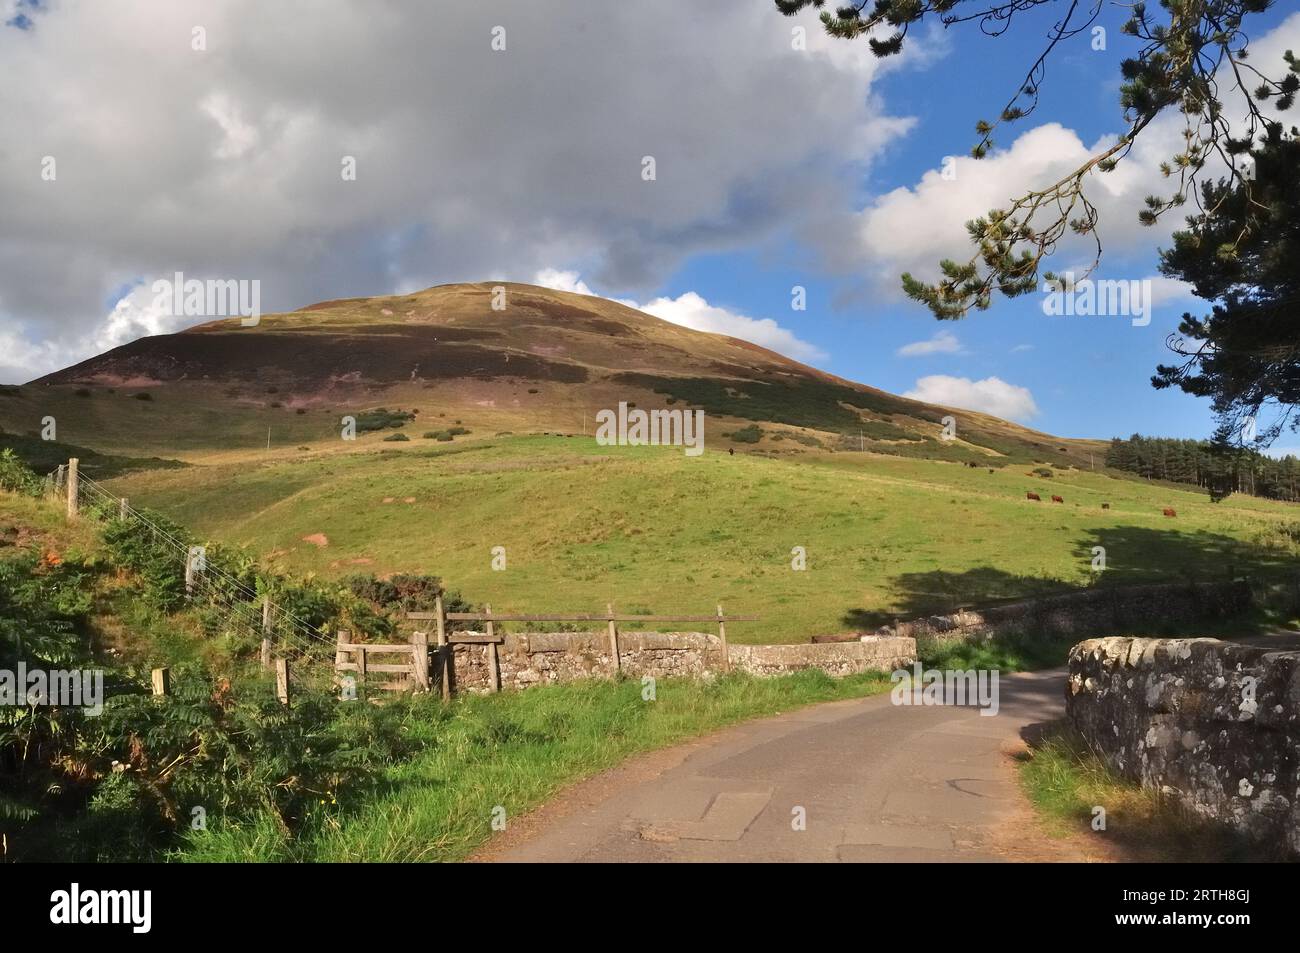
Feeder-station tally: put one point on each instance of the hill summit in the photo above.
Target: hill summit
(528, 359)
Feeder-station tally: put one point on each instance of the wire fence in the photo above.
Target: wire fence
(239, 609)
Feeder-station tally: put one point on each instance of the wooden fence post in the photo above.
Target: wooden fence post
(341, 657)
(359, 653)
(445, 651)
(282, 680)
(189, 574)
(58, 479)
(494, 672)
(162, 682)
(266, 632)
(72, 488)
(613, 637)
(722, 634)
(440, 619)
(122, 509)
(420, 660)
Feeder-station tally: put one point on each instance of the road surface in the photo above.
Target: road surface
(872, 781)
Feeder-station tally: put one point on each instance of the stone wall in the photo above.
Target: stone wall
(538, 658)
(1215, 724)
(872, 653)
(1087, 612)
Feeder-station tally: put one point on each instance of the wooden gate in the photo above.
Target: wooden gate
(408, 661)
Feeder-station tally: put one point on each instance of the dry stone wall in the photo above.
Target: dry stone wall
(1215, 724)
(541, 658)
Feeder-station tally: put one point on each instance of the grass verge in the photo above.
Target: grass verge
(511, 752)
(1066, 782)
(1005, 653)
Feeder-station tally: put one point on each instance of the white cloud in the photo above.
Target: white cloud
(992, 395)
(943, 342)
(1022, 348)
(21, 360)
(565, 281)
(133, 316)
(470, 164)
(239, 137)
(913, 228)
(137, 314)
(1169, 291)
(690, 310)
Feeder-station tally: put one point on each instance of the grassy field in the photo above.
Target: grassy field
(649, 529)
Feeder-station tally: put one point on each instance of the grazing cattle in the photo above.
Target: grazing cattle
(1033, 496)
(1057, 499)
(990, 469)
(1105, 506)
(1169, 512)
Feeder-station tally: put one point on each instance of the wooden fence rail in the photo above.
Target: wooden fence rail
(580, 617)
(356, 657)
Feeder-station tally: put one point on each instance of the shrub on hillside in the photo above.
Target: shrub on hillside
(750, 434)
(155, 551)
(41, 604)
(382, 419)
(396, 438)
(16, 476)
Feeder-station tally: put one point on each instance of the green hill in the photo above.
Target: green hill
(650, 529)
(498, 408)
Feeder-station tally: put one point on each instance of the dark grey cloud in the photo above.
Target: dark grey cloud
(471, 164)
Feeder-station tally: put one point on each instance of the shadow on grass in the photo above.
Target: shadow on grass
(42, 456)
(939, 592)
(1137, 555)
(1134, 556)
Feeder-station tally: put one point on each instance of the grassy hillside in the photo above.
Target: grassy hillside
(474, 433)
(650, 529)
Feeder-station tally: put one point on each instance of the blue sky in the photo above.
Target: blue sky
(1090, 377)
(207, 139)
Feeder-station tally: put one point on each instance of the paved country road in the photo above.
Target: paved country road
(878, 782)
